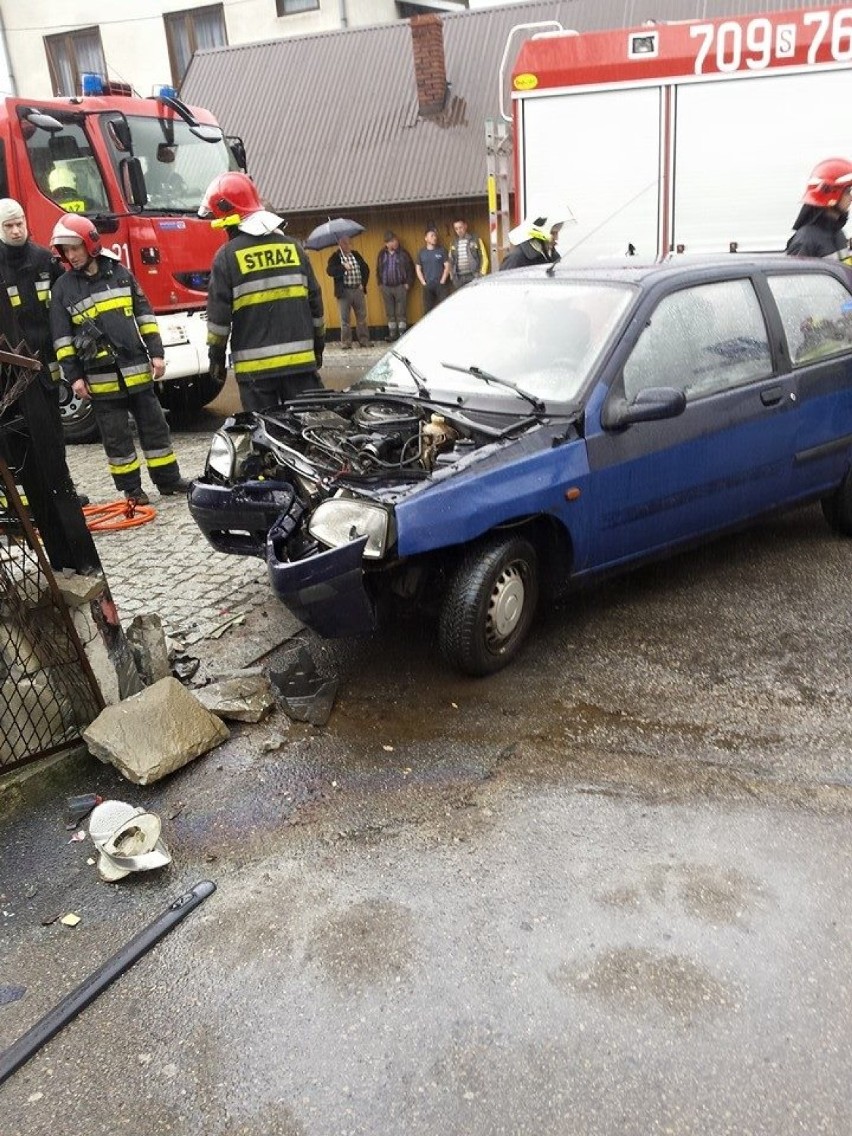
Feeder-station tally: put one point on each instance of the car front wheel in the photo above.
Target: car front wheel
(837, 507)
(489, 605)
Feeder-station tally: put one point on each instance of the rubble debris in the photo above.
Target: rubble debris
(127, 839)
(70, 920)
(79, 591)
(273, 743)
(232, 621)
(314, 708)
(307, 697)
(148, 643)
(244, 698)
(152, 734)
(185, 667)
(79, 807)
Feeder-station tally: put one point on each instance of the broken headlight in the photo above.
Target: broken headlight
(228, 451)
(343, 519)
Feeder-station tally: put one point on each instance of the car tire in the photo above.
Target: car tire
(489, 605)
(837, 507)
(78, 417)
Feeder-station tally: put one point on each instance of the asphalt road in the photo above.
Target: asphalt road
(602, 892)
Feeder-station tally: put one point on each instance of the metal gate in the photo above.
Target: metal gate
(48, 693)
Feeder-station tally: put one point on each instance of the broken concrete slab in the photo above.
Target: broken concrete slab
(148, 643)
(78, 591)
(243, 698)
(152, 734)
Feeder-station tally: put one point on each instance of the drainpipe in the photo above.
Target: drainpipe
(344, 19)
(4, 52)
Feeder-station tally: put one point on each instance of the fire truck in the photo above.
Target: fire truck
(688, 137)
(138, 167)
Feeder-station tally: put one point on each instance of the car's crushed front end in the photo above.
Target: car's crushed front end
(312, 488)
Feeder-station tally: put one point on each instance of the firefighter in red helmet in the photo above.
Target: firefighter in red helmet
(818, 229)
(109, 347)
(263, 295)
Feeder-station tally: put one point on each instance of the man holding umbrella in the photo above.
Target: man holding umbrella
(350, 273)
(264, 295)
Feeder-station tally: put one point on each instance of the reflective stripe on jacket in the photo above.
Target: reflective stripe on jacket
(28, 273)
(264, 295)
(110, 303)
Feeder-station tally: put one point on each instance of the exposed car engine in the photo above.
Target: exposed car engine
(366, 437)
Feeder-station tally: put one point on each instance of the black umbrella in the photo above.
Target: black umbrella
(330, 231)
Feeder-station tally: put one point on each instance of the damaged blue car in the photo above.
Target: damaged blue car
(538, 430)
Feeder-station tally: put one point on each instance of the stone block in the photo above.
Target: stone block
(243, 698)
(150, 651)
(152, 734)
(79, 591)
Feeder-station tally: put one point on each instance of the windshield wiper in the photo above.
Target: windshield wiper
(486, 376)
(419, 380)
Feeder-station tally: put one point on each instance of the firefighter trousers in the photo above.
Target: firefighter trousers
(261, 394)
(124, 465)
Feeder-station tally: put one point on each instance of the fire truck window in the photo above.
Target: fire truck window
(177, 165)
(702, 341)
(65, 170)
(816, 311)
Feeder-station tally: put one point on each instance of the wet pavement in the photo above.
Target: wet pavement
(604, 891)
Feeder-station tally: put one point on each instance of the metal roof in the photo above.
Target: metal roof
(331, 121)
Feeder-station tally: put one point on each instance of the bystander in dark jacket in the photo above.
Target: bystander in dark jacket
(395, 274)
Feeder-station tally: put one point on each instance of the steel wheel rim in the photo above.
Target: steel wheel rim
(505, 606)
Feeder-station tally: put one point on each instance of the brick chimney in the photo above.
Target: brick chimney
(430, 68)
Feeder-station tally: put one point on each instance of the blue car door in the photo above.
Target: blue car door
(815, 307)
(727, 457)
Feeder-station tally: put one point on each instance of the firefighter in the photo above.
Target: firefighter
(818, 229)
(110, 351)
(27, 273)
(534, 242)
(263, 293)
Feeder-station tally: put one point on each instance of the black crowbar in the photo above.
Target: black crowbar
(38, 1035)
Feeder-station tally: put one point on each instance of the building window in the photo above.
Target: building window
(72, 53)
(291, 7)
(188, 32)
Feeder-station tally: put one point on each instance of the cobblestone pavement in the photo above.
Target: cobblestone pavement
(166, 566)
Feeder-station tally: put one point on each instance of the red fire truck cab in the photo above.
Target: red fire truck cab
(138, 167)
(695, 136)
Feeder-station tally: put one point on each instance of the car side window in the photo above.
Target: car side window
(701, 340)
(816, 311)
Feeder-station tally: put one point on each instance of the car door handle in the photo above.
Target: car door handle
(771, 396)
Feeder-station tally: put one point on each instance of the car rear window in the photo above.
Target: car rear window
(816, 310)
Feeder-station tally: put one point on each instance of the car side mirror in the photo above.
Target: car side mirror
(649, 405)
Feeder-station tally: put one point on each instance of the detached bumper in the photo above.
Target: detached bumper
(325, 591)
(237, 518)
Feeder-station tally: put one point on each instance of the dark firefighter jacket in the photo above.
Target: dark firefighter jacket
(819, 232)
(28, 273)
(263, 293)
(104, 330)
(528, 253)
